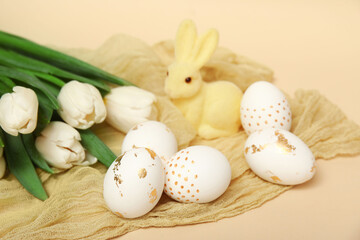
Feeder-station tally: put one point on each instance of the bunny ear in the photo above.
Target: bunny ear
(185, 40)
(205, 47)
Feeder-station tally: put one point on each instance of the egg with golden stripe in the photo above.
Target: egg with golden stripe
(134, 183)
(197, 174)
(280, 157)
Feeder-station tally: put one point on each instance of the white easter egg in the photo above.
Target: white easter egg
(134, 182)
(197, 174)
(264, 106)
(153, 135)
(278, 156)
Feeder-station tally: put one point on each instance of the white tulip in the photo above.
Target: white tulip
(59, 144)
(2, 163)
(18, 111)
(128, 106)
(81, 105)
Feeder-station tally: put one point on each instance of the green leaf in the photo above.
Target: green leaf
(19, 164)
(30, 80)
(7, 81)
(44, 116)
(13, 59)
(1, 138)
(4, 88)
(49, 78)
(37, 159)
(56, 58)
(96, 147)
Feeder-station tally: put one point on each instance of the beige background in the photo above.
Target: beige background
(309, 44)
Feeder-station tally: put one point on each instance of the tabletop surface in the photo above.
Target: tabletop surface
(308, 44)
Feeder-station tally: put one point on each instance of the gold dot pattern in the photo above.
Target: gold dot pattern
(182, 182)
(277, 115)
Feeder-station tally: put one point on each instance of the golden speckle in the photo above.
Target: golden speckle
(151, 152)
(175, 165)
(197, 190)
(153, 196)
(186, 158)
(176, 183)
(179, 192)
(182, 187)
(275, 179)
(277, 111)
(284, 143)
(142, 173)
(258, 124)
(249, 124)
(192, 161)
(266, 122)
(256, 149)
(173, 172)
(188, 191)
(117, 179)
(179, 175)
(185, 179)
(247, 150)
(192, 195)
(119, 214)
(196, 176)
(251, 116)
(197, 199)
(183, 196)
(135, 128)
(192, 184)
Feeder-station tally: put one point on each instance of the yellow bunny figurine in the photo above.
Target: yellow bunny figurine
(212, 108)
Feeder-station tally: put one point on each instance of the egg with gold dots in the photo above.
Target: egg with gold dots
(197, 174)
(264, 106)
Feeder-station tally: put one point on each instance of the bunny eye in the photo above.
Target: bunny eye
(167, 73)
(188, 80)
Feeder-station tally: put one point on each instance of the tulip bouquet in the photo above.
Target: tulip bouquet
(48, 103)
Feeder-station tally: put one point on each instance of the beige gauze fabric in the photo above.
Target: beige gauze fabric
(76, 208)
